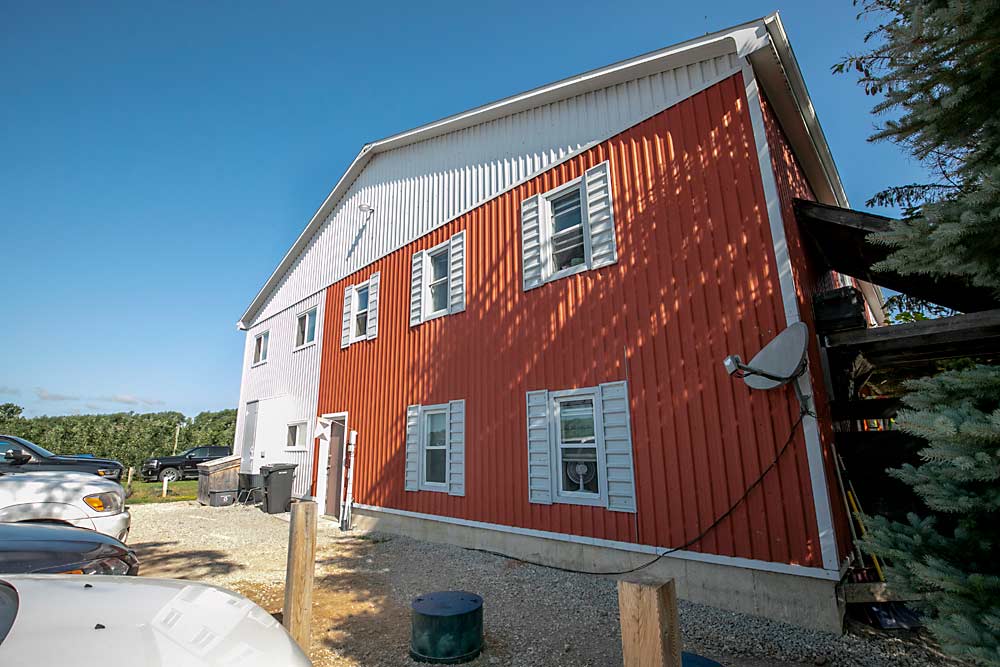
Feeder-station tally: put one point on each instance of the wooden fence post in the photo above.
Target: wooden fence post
(651, 635)
(128, 484)
(165, 482)
(297, 614)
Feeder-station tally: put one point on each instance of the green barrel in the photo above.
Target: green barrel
(447, 627)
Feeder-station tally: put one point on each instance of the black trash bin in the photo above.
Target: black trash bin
(277, 486)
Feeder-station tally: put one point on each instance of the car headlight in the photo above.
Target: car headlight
(104, 502)
(115, 566)
(154, 462)
(108, 472)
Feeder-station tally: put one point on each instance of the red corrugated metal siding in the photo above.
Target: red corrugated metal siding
(695, 281)
(792, 184)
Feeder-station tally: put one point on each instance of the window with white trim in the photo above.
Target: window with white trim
(360, 317)
(568, 229)
(296, 436)
(260, 347)
(305, 328)
(437, 281)
(434, 448)
(580, 447)
(359, 327)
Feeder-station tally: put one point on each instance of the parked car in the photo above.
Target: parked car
(40, 548)
(72, 498)
(20, 455)
(182, 465)
(126, 621)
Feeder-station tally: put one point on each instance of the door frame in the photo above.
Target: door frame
(245, 456)
(322, 474)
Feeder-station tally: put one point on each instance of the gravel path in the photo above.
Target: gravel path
(534, 616)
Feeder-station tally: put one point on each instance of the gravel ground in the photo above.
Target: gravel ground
(534, 616)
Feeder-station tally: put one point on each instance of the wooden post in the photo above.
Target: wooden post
(651, 635)
(297, 614)
(177, 434)
(165, 482)
(128, 484)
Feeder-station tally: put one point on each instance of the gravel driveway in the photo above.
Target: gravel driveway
(534, 616)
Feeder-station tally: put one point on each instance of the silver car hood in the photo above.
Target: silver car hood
(104, 621)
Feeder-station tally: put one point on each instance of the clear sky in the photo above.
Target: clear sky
(158, 159)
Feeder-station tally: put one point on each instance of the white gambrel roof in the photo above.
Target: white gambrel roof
(425, 177)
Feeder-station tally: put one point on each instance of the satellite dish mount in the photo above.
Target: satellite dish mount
(780, 362)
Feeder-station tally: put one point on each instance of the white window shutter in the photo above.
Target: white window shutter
(539, 448)
(373, 284)
(456, 448)
(345, 332)
(412, 475)
(533, 260)
(417, 289)
(617, 446)
(456, 279)
(600, 215)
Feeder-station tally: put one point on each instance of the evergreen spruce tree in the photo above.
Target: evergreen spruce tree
(935, 65)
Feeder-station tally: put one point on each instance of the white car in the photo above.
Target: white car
(73, 498)
(109, 621)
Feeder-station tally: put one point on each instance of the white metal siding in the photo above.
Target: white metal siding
(420, 186)
(287, 387)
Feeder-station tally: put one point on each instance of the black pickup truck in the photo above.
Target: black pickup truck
(20, 455)
(180, 465)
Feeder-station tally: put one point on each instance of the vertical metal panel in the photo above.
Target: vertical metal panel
(421, 186)
(809, 279)
(290, 377)
(695, 281)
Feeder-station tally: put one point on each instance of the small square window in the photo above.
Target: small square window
(361, 313)
(296, 436)
(260, 347)
(305, 328)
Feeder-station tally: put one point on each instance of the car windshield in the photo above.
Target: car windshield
(38, 448)
(8, 609)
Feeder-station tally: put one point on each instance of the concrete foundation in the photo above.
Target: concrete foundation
(799, 600)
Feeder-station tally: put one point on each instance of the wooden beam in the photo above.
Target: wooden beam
(297, 613)
(651, 635)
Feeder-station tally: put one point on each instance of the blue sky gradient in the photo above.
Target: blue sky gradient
(157, 160)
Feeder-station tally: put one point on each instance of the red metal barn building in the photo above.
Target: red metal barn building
(522, 311)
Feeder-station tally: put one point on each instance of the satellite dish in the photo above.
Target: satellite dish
(781, 361)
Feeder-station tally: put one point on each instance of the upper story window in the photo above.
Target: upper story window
(568, 229)
(361, 306)
(260, 347)
(305, 328)
(437, 280)
(580, 447)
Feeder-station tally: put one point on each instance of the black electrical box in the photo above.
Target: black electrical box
(841, 309)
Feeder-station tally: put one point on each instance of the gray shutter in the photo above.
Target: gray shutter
(600, 215)
(412, 474)
(345, 332)
(456, 274)
(456, 448)
(372, 330)
(617, 446)
(532, 256)
(417, 289)
(539, 448)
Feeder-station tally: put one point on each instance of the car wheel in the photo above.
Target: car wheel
(170, 474)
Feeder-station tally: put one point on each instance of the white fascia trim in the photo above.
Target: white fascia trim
(732, 561)
(789, 298)
(744, 39)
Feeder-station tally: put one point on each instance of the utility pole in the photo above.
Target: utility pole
(177, 433)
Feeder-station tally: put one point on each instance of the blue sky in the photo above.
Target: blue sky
(158, 159)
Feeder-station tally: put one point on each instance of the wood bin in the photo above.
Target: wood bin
(218, 475)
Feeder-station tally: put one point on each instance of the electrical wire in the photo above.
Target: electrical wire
(701, 535)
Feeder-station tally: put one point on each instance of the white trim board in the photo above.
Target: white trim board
(810, 427)
(732, 561)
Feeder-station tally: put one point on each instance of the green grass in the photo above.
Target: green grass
(150, 492)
